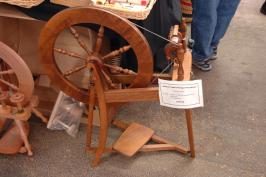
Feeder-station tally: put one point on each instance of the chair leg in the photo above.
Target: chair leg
(190, 132)
(24, 137)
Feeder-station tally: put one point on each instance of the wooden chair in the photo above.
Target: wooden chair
(136, 135)
(16, 104)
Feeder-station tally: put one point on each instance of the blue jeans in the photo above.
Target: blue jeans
(211, 19)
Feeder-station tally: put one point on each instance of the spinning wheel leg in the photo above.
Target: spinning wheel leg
(103, 112)
(91, 108)
(103, 130)
(102, 139)
(39, 114)
(22, 150)
(190, 132)
(24, 136)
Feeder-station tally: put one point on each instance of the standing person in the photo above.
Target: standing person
(211, 19)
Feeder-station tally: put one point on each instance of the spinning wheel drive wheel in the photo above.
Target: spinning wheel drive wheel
(18, 67)
(78, 15)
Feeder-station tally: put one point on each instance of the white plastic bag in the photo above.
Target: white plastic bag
(68, 116)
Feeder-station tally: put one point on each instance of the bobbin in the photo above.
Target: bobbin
(5, 109)
(18, 98)
(70, 128)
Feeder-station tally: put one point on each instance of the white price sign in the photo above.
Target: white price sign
(181, 94)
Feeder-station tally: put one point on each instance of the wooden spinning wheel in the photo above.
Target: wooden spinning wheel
(73, 16)
(108, 99)
(20, 69)
(16, 104)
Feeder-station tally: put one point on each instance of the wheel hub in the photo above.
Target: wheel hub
(95, 57)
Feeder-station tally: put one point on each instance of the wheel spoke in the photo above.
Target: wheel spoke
(99, 40)
(80, 41)
(10, 85)
(72, 54)
(108, 79)
(116, 52)
(70, 72)
(10, 71)
(119, 69)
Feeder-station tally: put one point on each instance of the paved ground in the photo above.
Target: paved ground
(229, 132)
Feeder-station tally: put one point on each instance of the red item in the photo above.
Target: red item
(143, 3)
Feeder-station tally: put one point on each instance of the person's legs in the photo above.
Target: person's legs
(225, 12)
(203, 27)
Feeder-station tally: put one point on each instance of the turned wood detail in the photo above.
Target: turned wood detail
(108, 79)
(175, 38)
(10, 71)
(77, 69)
(116, 52)
(184, 33)
(176, 52)
(99, 40)
(120, 69)
(40, 115)
(10, 85)
(183, 27)
(24, 137)
(4, 77)
(72, 54)
(80, 41)
(18, 98)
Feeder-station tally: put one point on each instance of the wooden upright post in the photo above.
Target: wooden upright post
(190, 132)
(180, 58)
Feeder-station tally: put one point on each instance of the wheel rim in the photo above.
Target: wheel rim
(98, 16)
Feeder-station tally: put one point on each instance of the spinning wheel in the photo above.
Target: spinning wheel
(108, 99)
(16, 104)
(20, 69)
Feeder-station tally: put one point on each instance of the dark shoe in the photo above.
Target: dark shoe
(213, 56)
(203, 64)
(263, 8)
(190, 43)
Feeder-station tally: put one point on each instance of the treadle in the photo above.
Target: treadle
(133, 138)
(2, 123)
(11, 142)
